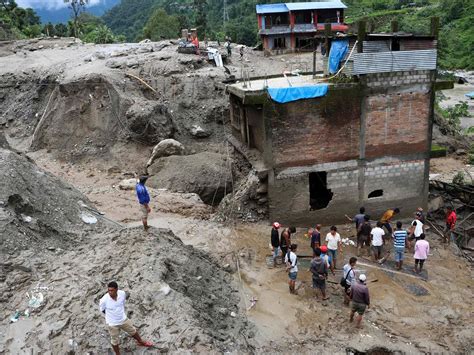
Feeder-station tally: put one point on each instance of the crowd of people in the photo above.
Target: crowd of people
(377, 238)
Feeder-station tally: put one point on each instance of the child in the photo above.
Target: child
(422, 249)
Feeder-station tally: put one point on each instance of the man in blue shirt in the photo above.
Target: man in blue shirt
(144, 200)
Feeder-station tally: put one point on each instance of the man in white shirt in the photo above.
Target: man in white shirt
(416, 230)
(377, 234)
(291, 261)
(333, 242)
(112, 304)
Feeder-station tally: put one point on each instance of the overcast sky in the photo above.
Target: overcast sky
(49, 4)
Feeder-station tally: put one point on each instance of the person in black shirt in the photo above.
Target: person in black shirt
(315, 238)
(275, 242)
(285, 240)
(363, 235)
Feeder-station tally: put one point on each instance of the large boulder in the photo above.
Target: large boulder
(166, 148)
(207, 174)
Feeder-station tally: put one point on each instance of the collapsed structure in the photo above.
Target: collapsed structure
(325, 147)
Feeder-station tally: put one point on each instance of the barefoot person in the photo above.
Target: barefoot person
(285, 240)
(319, 268)
(143, 200)
(112, 304)
(291, 261)
(422, 249)
(360, 299)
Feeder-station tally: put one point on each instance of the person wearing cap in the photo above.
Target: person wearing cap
(291, 261)
(360, 298)
(275, 242)
(326, 257)
(143, 200)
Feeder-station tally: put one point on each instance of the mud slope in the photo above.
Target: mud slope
(37, 210)
(200, 312)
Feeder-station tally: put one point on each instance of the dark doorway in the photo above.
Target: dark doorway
(319, 195)
(376, 193)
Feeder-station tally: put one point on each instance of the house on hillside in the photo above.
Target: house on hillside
(323, 148)
(290, 27)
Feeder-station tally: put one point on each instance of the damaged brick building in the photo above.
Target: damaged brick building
(365, 141)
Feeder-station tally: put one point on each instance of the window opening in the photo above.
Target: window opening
(319, 194)
(376, 193)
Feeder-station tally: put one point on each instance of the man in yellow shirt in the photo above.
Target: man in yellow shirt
(387, 219)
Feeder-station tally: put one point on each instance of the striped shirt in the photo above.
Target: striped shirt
(399, 237)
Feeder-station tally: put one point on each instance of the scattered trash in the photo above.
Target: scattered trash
(36, 300)
(199, 278)
(233, 314)
(26, 218)
(88, 218)
(14, 318)
(26, 313)
(347, 241)
(165, 289)
(253, 302)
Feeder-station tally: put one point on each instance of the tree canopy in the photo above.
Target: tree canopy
(160, 25)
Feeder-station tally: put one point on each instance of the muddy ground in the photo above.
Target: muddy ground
(195, 284)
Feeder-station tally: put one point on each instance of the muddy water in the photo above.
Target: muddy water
(429, 312)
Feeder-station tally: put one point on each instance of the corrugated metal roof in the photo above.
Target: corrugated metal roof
(271, 8)
(296, 6)
(383, 62)
(316, 5)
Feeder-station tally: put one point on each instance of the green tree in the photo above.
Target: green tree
(60, 29)
(100, 35)
(201, 19)
(161, 25)
(49, 30)
(77, 7)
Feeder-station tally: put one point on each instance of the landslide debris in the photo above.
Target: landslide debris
(37, 210)
(207, 174)
(178, 297)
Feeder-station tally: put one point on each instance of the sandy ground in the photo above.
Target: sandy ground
(457, 95)
(446, 168)
(409, 313)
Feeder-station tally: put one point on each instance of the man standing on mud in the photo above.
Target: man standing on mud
(319, 269)
(360, 299)
(144, 200)
(112, 304)
(333, 242)
(285, 240)
(291, 261)
(275, 242)
(450, 225)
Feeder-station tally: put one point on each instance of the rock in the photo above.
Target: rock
(132, 63)
(100, 55)
(207, 174)
(145, 49)
(127, 184)
(88, 218)
(233, 314)
(113, 170)
(146, 40)
(150, 120)
(114, 64)
(89, 58)
(166, 148)
(461, 152)
(199, 132)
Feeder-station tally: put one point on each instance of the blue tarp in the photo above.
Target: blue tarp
(338, 51)
(289, 94)
(470, 95)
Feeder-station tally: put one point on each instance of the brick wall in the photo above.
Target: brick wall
(397, 124)
(313, 131)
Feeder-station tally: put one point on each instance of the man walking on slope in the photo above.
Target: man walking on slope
(360, 299)
(144, 200)
(112, 304)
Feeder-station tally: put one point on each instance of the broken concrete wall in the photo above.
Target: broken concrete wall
(350, 182)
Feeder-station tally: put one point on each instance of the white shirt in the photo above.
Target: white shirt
(348, 277)
(377, 234)
(114, 310)
(418, 227)
(294, 267)
(333, 240)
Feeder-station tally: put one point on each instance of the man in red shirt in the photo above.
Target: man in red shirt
(450, 224)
